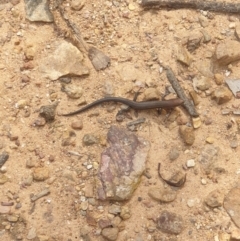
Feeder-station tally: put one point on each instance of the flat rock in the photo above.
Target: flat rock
(66, 60)
(121, 165)
(232, 205)
(170, 223)
(38, 10)
(184, 56)
(227, 52)
(160, 193)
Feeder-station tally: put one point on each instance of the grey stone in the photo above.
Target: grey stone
(90, 139)
(160, 193)
(38, 10)
(110, 234)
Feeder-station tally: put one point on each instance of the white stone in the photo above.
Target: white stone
(190, 163)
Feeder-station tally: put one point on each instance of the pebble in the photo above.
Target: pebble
(237, 31)
(203, 181)
(196, 122)
(173, 153)
(77, 4)
(203, 21)
(30, 163)
(90, 139)
(22, 103)
(187, 134)
(3, 178)
(222, 95)
(84, 205)
(202, 84)
(190, 163)
(192, 202)
(77, 125)
(73, 91)
(40, 173)
(210, 140)
(151, 94)
(3, 158)
(184, 56)
(12, 218)
(110, 234)
(169, 222)
(214, 199)
(162, 194)
(114, 209)
(125, 213)
(194, 41)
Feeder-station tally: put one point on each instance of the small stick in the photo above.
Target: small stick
(40, 194)
(180, 93)
(223, 7)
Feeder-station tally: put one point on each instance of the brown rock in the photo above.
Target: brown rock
(222, 95)
(125, 213)
(40, 173)
(162, 194)
(218, 79)
(214, 199)
(203, 83)
(77, 125)
(231, 204)
(110, 234)
(183, 56)
(151, 94)
(187, 134)
(77, 4)
(227, 52)
(170, 223)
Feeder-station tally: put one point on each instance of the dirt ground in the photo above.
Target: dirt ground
(131, 37)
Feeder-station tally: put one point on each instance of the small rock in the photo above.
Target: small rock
(110, 234)
(162, 194)
(222, 95)
(3, 179)
(73, 91)
(227, 52)
(231, 204)
(70, 64)
(194, 41)
(192, 202)
(203, 21)
(173, 154)
(125, 213)
(5, 209)
(30, 163)
(40, 173)
(187, 134)
(131, 7)
(104, 223)
(84, 205)
(196, 122)
(203, 181)
(30, 52)
(214, 199)
(40, 121)
(206, 38)
(90, 139)
(3, 158)
(21, 104)
(38, 11)
(70, 175)
(203, 83)
(190, 163)
(183, 56)
(219, 79)
(77, 4)
(151, 94)
(210, 140)
(77, 125)
(48, 111)
(170, 223)
(235, 235)
(12, 218)
(114, 209)
(194, 97)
